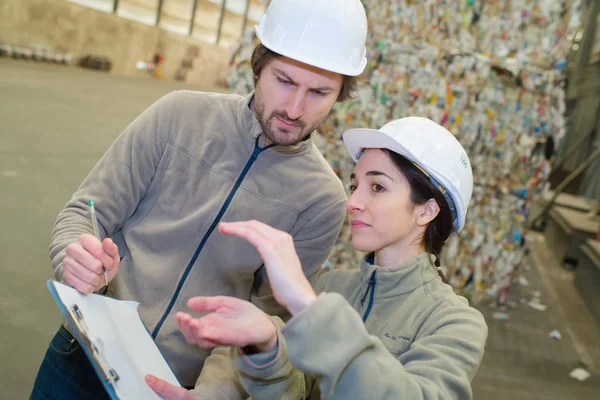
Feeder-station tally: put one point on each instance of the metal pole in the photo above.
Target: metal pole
(573, 149)
(193, 20)
(159, 11)
(585, 47)
(589, 161)
(245, 21)
(115, 6)
(221, 21)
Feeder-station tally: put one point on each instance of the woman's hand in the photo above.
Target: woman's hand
(230, 322)
(290, 286)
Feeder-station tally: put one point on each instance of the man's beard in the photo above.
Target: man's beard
(282, 139)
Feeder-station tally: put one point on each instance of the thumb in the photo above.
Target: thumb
(208, 304)
(110, 248)
(166, 390)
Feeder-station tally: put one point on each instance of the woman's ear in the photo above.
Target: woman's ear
(425, 213)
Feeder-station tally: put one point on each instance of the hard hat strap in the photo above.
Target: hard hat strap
(447, 196)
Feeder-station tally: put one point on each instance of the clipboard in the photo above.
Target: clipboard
(115, 341)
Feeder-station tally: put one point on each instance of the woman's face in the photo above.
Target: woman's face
(380, 211)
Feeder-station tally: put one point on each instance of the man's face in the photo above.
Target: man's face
(292, 99)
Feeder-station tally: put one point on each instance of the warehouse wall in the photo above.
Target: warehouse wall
(79, 30)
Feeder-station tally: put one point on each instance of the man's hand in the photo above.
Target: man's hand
(231, 322)
(84, 262)
(166, 390)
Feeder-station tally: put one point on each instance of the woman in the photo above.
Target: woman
(391, 329)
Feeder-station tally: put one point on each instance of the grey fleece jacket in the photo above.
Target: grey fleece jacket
(189, 161)
(419, 340)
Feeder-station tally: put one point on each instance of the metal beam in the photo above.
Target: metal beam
(159, 11)
(221, 21)
(582, 168)
(193, 19)
(584, 49)
(245, 21)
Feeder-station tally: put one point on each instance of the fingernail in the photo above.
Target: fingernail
(149, 379)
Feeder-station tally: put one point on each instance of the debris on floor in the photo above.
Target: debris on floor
(536, 305)
(501, 316)
(523, 281)
(580, 374)
(555, 334)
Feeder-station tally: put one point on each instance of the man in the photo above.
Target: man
(192, 160)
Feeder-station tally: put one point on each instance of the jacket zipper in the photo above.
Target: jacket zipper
(255, 153)
(371, 288)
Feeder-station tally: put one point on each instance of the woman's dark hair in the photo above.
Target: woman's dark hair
(421, 190)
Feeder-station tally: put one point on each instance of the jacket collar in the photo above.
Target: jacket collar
(399, 280)
(248, 123)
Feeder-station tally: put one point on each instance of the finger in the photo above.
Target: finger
(211, 304)
(259, 234)
(266, 230)
(207, 344)
(255, 224)
(83, 274)
(183, 321)
(246, 232)
(111, 256)
(185, 325)
(212, 329)
(242, 227)
(77, 283)
(166, 390)
(204, 331)
(80, 251)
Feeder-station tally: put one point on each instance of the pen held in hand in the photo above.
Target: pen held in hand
(94, 219)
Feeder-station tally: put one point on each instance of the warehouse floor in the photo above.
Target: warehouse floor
(56, 122)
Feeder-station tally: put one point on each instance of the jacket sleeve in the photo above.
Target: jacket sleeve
(118, 181)
(219, 378)
(328, 340)
(313, 240)
(271, 375)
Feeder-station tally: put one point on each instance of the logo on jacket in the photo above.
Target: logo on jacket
(406, 339)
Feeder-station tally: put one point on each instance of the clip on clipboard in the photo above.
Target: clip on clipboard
(76, 319)
(115, 340)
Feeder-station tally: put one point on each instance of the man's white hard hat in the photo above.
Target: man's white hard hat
(327, 34)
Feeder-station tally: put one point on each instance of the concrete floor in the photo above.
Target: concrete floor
(56, 122)
(521, 362)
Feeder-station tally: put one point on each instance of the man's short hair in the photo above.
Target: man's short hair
(262, 56)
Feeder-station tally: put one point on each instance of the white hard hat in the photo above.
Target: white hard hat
(430, 147)
(327, 34)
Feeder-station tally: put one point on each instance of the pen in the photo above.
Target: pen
(97, 232)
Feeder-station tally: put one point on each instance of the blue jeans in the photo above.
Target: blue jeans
(66, 373)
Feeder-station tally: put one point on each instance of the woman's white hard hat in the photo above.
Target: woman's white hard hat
(431, 147)
(327, 34)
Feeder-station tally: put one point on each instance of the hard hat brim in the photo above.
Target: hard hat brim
(356, 140)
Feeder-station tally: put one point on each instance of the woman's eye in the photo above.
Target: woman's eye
(377, 188)
(351, 188)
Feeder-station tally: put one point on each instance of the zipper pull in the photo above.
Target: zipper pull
(371, 283)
